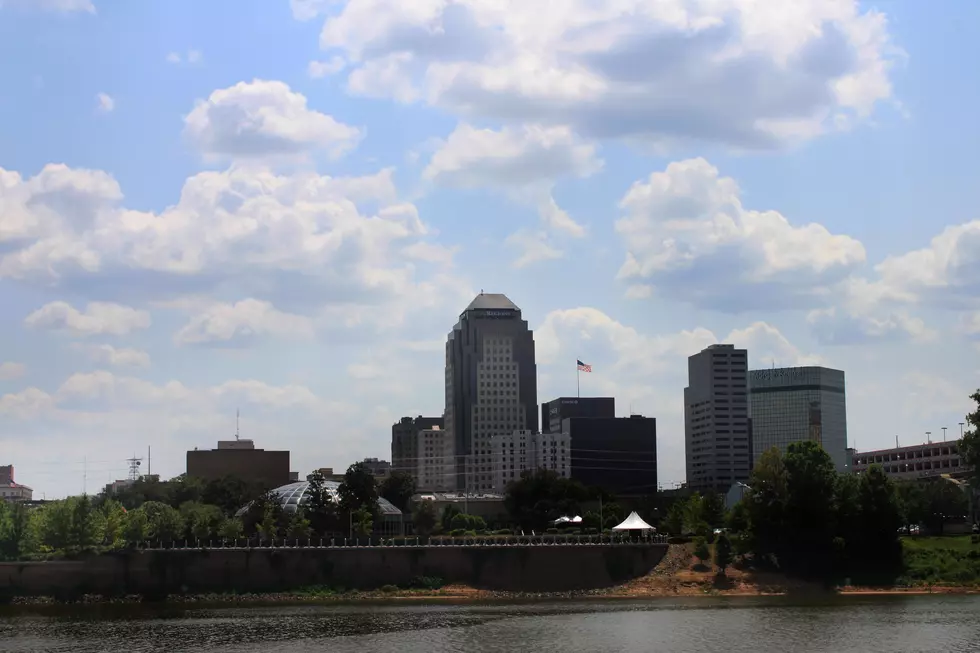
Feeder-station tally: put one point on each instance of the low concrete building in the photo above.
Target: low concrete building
(381, 469)
(919, 461)
(240, 459)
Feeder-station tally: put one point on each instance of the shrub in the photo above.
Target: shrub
(701, 550)
(427, 583)
(387, 589)
(552, 531)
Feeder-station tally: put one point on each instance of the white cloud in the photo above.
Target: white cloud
(55, 6)
(524, 162)
(191, 57)
(262, 119)
(10, 370)
(105, 103)
(98, 318)
(748, 74)
(309, 9)
(25, 404)
(115, 356)
(302, 239)
(321, 69)
(946, 273)
(843, 326)
(242, 322)
(687, 232)
(532, 247)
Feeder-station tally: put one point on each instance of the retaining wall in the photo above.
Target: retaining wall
(153, 573)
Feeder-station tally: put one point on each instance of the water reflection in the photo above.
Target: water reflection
(704, 625)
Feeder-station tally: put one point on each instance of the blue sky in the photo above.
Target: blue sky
(283, 206)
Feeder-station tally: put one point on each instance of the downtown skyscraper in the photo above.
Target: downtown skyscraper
(491, 385)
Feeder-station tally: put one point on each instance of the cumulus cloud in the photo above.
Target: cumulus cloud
(301, 239)
(10, 370)
(727, 71)
(946, 273)
(115, 356)
(98, 318)
(524, 162)
(241, 323)
(687, 233)
(262, 119)
(54, 6)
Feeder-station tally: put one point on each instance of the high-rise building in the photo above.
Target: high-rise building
(792, 404)
(405, 442)
(717, 428)
(523, 451)
(491, 384)
(554, 411)
(618, 454)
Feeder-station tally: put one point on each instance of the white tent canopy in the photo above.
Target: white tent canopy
(634, 523)
(568, 520)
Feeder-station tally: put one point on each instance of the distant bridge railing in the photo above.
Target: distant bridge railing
(381, 542)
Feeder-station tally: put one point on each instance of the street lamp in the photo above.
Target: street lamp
(944, 433)
(928, 437)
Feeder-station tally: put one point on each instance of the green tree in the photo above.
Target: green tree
(14, 525)
(737, 519)
(701, 550)
(230, 493)
(398, 488)
(881, 516)
(358, 490)
(163, 522)
(540, 497)
(446, 518)
(424, 518)
(766, 503)
(713, 510)
(320, 507)
(723, 553)
(201, 521)
(182, 489)
(969, 446)
(135, 527)
(943, 500)
(299, 526)
(591, 520)
(230, 529)
(362, 522)
(268, 526)
(810, 509)
(113, 521)
(674, 521)
(913, 502)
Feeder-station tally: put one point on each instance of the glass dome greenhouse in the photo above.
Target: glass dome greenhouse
(297, 494)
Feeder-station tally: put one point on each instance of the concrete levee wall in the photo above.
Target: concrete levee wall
(529, 569)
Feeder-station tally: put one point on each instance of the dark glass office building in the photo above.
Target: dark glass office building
(491, 385)
(618, 454)
(554, 411)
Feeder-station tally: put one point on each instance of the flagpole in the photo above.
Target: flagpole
(578, 380)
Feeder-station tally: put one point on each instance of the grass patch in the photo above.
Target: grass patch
(948, 560)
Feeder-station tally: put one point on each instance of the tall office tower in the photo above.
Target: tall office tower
(792, 404)
(717, 428)
(491, 385)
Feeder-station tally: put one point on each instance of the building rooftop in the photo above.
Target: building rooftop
(491, 302)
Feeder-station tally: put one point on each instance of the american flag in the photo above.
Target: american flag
(582, 367)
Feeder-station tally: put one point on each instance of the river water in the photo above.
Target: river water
(909, 624)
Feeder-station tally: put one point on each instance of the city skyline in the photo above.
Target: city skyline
(291, 228)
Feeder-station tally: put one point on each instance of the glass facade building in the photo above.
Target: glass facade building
(793, 404)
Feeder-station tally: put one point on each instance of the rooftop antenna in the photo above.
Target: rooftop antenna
(237, 415)
(896, 442)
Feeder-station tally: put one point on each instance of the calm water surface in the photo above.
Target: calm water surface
(696, 625)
